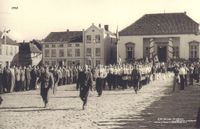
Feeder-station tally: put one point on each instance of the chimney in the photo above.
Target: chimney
(185, 12)
(106, 27)
(99, 25)
(67, 30)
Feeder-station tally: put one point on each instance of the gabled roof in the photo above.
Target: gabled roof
(8, 40)
(163, 23)
(28, 47)
(68, 36)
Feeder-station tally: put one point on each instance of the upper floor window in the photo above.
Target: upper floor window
(77, 52)
(98, 51)
(53, 53)
(130, 51)
(77, 45)
(46, 45)
(88, 52)
(61, 45)
(61, 53)
(69, 45)
(88, 38)
(46, 52)
(53, 45)
(69, 52)
(97, 38)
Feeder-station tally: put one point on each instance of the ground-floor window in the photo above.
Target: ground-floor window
(176, 51)
(130, 51)
(194, 50)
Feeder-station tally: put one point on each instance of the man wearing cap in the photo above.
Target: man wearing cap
(47, 81)
(85, 82)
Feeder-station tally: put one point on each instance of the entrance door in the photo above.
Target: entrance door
(162, 53)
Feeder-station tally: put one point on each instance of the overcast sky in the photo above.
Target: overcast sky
(35, 19)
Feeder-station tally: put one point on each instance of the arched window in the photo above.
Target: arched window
(193, 49)
(130, 51)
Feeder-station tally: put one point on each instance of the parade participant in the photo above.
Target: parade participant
(196, 72)
(55, 73)
(34, 75)
(186, 74)
(28, 77)
(176, 78)
(110, 78)
(191, 74)
(60, 74)
(22, 78)
(182, 73)
(1, 79)
(12, 70)
(17, 79)
(7, 76)
(136, 77)
(101, 74)
(47, 82)
(85, 81)
(124, 77)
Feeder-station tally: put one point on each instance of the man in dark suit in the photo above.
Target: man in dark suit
(47, 82)
(85, 81)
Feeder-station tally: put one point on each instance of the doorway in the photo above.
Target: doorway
(162, 53)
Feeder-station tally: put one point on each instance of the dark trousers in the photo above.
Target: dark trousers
(44, 94)
(84, 91)
(28, 84)
(191, 79)
(99, 86)
(182, 78)
(124, 85)
(136, 85)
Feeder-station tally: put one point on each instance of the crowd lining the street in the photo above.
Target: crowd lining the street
(112, 77)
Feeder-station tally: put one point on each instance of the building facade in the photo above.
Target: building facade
(9, 50)
(91, 46)
(167, 36)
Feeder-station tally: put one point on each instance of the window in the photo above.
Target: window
(61, 53)
(77, 62)
(77, 45)
(98, 62)
(69, 45)
(147, 52)
(46, 45)
(88, 52)
(130, 51)
(0, 51)
(176, 51)
(53, 45)
(89, 62)
(69, 52)
(46, 53)
(53, 63)
(77, 52)
(97, 38)
(98, 52)
(53, 53)
(194, 49)
(88, 38)
(61, 45)
(69, 63)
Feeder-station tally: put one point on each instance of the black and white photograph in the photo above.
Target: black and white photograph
(99, 64)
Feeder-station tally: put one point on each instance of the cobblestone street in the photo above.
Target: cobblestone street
(24, 110)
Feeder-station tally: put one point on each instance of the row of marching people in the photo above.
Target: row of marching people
(119, 77)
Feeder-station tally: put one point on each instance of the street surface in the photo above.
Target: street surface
(115, 109)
